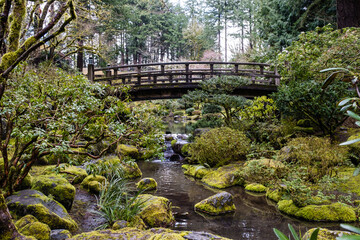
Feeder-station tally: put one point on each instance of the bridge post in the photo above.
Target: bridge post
(91, 74)
(139, 77)
(261, 69)
(211, 69)
(277, 80)
(115, 73)
(108, 71)
(236, 69)
(162, 69)
(187, 72)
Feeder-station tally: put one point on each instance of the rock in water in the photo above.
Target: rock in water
(217, 204)
(46, 210)
(147, 184)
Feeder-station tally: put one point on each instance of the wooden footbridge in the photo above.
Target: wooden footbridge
(172, 80)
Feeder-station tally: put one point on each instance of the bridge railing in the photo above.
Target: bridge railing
(182, 73)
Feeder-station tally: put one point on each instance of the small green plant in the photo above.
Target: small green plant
(189, 111)
(219, 146)
(282, 236)
(352, 229)
(115, 201)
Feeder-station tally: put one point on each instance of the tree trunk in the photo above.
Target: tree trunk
(7, 228)
(80, 56)
(348, 13)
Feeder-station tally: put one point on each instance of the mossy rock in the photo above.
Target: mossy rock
(326, 234)
(73, 174)
(255, 187)
(130, 169)
(124, 150)
(336, 212)
(60, 234)
(309, 130)
(46, 210)
(349, 184)
(151, 234)
(156, 211)
(147, 184)
(120, 224)
(217, 204)
(30, 226)
(185, 150)
(93, 183)
(274, 194)
(196, 171)
(59, 188)
(224, 177)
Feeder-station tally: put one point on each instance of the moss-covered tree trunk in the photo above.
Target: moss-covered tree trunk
(7, 228)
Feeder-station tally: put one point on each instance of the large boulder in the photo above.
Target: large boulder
(61, 190)
(217, 204)
(73, 174)
(93, 183)
(45, 209)
(151, 234)
(60, 234)
(177, 146)
(156, 211)
(336, 212)
(147, 184)
(30, 226)
(224, 177)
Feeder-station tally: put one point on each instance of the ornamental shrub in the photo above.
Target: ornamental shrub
(211, 108)
(219, 146)
(316, 156)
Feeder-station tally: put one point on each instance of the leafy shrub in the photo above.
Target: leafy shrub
(219, 146)
(260, 109)
(317, 155)
(317, 50)
(208, 121)
(189, 111)
(210, 108)
(307, 99)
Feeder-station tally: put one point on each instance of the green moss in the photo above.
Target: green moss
(156, 211)
(173, 142)
(274, 194)
(73, 174)
(220, 203)
(350, 183)
(255, 187)
(336, 212)
(130, 169)
(57, 186)
(30, 226)
(185, 149)
(167, 236)
(196, 171)
(326, 234)
(127, 150)
(93, 183)
(147, 184)
(224, 177)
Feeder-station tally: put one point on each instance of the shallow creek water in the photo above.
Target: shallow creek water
(255, 216)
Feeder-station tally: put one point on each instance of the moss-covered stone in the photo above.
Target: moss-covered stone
(73, 174)
(274, 194)
(255, 187)
(30, 226)
(223, 177)
(156, 211)
(60, 234)
(217, 204)
(46, 210)
(59, 188)
(147, 184)
(93, 183)
(126, 150)
(151, 234)
(349, 184)
(130, 169)
(326, 234)
(185, 149)
(120, 224)
(336, 212)
(196, 171)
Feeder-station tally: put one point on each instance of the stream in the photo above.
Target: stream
(254, 218)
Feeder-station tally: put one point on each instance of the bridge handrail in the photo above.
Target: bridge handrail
(187, 71)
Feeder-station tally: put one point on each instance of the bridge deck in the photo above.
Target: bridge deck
(150, 80)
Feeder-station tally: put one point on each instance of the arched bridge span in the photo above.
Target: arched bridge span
(174, 79)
